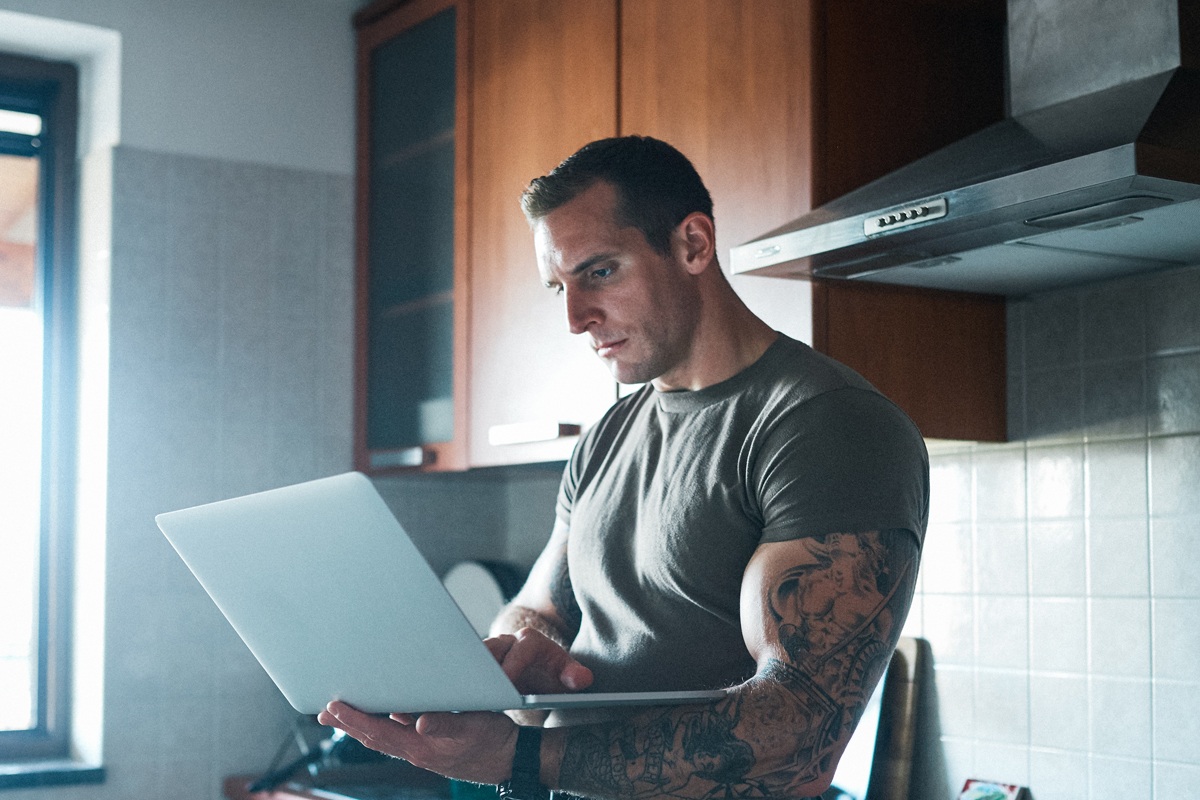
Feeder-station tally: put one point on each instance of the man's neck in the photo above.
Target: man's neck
(728, 339)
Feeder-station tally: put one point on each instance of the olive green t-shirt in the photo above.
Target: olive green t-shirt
(667, 497)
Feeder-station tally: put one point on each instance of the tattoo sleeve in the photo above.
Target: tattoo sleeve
(831, 613)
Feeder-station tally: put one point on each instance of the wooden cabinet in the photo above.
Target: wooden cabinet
(545, 77)
(535, 81)
(938, 355)
(781, 104)
(731, 85)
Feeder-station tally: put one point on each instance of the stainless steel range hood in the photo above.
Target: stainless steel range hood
(1094, 174)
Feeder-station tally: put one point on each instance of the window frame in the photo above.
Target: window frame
(51, 89)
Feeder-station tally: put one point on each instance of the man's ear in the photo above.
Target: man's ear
(696, 242)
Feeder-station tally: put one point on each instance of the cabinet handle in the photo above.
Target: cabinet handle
(529, 432)
(405, 457)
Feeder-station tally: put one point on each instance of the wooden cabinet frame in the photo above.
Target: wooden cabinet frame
(377, 24)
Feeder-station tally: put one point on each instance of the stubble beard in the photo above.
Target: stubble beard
(667, 354)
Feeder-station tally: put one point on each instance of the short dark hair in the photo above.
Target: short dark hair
(656, 185)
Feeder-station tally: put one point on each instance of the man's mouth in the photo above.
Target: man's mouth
(607, 349)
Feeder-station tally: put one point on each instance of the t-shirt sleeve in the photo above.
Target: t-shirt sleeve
(846, 461)
(566, 489)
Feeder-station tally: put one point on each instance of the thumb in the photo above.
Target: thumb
(438, 726)
(575, 676)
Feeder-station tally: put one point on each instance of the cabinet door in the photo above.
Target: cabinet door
(411, 298)
(944, 361)
(545, 77)
(730, 84)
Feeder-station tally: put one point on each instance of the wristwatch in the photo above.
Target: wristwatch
(526, 780)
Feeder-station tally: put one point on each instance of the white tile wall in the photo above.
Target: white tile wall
(1070, 661)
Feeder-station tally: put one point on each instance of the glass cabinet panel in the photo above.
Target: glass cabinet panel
(410, 244)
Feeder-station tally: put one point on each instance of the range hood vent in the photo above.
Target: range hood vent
(1094, 174)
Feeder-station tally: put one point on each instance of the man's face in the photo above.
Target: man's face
(637, 307)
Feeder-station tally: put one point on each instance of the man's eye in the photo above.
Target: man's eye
(602, 272)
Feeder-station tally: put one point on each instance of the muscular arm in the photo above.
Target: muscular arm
(546, 602)
(821, 617)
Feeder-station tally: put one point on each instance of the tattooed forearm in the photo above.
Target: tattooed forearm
(832, 614)
(678, 753)
(589, 767)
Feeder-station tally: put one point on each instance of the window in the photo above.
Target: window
(37, 399)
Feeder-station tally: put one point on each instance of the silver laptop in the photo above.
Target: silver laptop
(336, 602)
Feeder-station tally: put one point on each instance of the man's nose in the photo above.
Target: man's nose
(580, 312)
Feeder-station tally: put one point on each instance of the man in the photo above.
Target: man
(750, 519)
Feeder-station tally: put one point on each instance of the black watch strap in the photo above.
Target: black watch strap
(526, 780)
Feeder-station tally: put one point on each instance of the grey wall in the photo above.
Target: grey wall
(224, 229)
(262, 82)
(229, 372)
(1059, 590)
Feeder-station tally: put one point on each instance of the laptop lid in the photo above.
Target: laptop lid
(332, 597)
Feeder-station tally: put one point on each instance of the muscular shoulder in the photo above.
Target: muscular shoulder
(830, 453)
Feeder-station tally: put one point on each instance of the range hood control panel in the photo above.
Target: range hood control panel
(905, 216)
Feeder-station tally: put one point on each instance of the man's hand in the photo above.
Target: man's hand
(476, 746)
(537, 664)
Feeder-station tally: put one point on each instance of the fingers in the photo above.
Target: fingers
(564, 671)
(389, 729)
(523, 655)
(538, 665)
(385, 735)
(398, 735)
(474, 746)
(500, 645)
(442, 726)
